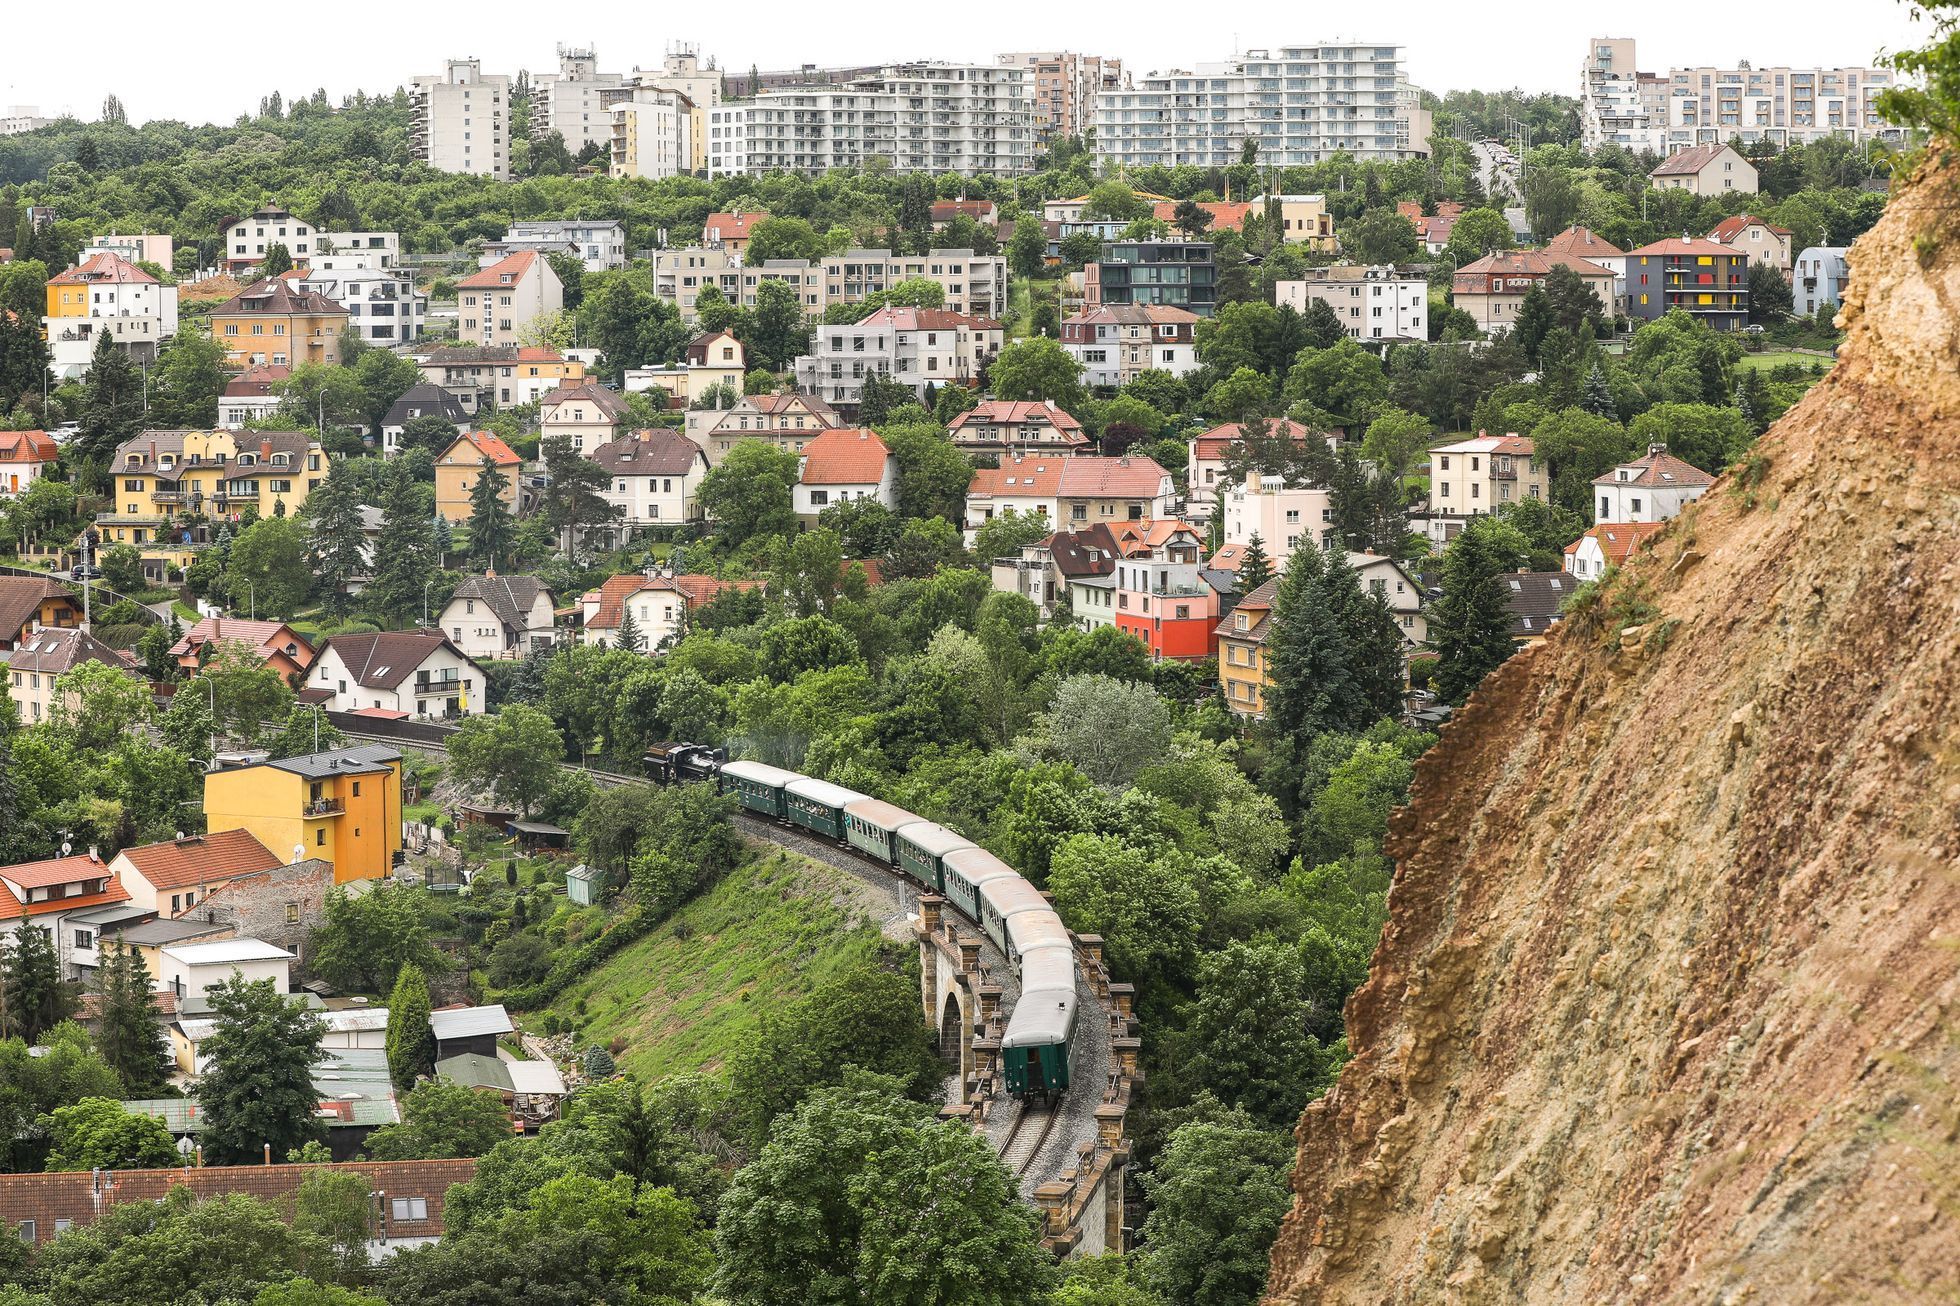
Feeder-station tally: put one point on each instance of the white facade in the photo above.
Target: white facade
(601, 244)
(920, 347)
(1473, 477)
(1651, 489)
(1702, 105)
(1284, 517)
(498, 304)
(22, 118)
(192, 970)
(357, 249)
(422, 689)
(122, 300)
(1301, 104)
(923, 117)
(249, 240)
(1821, 276)
(571, 101)
(383, 307)
(1372, 303)
(459, 120)
(1396, 587)
(652, 135)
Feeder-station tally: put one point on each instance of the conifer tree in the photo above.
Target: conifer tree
(629, 637)
(572, 502)
(411, 1043)
(1307, 654)
(127, 1035)
(338, 543)
(1255, 568)
(1597, 398)
(404, 556)
(491, 526)
(1471, 624)
(441, 534)
(1746, 405)
(1374, 640)
(113, 410)
(30, 974)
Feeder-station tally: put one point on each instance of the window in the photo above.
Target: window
(1636, 505)
(292, 913)
(27, 1232)
(319, 838)
(85, 938)
(176, 902)
(409, 1208)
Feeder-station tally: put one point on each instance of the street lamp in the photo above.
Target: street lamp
(425, 599)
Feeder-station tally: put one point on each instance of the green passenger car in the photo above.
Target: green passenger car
(757, 787)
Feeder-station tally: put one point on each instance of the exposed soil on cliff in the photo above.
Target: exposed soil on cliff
(1666, 1006)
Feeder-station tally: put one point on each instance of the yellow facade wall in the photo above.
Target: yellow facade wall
(352, 820)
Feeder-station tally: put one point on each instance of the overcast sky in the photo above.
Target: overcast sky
(166, 63)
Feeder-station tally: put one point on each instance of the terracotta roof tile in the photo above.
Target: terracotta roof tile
(1028, 476)
(55, 870)
(1658, 468)
(1213, 444)
(27, 447)
(1007, 412)
(928, 319)
(1689, 161)
(507, 271)
(1097, 478)
(21, 598)
(849, 455)
(1728, 229)
(200, 859)
(487, 445)
(271, 295)
(1690, 246)
(98, 268)
(732, 226)
(1618, 540)
(1583, 242)
(264, 637)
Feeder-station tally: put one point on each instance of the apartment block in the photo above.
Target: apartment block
(1299, 104)
(919, 346)
(383, 306)
(1702, 105)
(975, 284)
(919, 117)
(570, 101)
(600, 244)
(106, 294)
(459, 120)
(1064, 87)
(1472, 477)
(1704, 278)
(1373, 303)
(655, 134)
(1117, 343)
(1176, 273)
(498, 304)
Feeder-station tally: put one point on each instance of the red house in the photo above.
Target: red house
(1162, 596)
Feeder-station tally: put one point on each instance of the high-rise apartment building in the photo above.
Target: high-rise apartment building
(920, 117)
(1063, 88)
(1298, 104)
(572, 101)
(459, 120)
(1709, 104)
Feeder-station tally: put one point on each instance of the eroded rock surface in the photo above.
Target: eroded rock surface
(1666, 1006)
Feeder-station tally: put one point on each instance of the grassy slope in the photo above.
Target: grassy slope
(1773, 358)
(685, 996)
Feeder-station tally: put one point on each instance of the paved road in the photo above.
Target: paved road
(1490, 165)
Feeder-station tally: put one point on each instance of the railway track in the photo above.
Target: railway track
(1027, 1137)
(1034, 1123)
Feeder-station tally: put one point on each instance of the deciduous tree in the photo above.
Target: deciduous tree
(258, 1088)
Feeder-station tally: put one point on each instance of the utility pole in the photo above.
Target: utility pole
(89, 539)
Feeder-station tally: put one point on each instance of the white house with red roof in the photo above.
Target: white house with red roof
(847, 463)
(24, 458)
(1205, 468)
(1766, 244)
(659, 602)
(106, 293)
(731, 230)
(252, 393)
(1284, 517)
(1017, 426)
(918, 346)
(1607, 544)
(1584, 243)
(1470, 478)
(419, 673)
(41, 894)
(172, 877)
(496, 305)
(1117, 343)
(1649, 489)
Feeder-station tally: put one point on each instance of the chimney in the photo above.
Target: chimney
(1654, 450)
(265, 451)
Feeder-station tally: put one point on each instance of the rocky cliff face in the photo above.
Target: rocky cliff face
(1666, 1006)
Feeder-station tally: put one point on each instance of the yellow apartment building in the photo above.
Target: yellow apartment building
(1242, 671)
(343, 806)
(274, 322)
(159, 478)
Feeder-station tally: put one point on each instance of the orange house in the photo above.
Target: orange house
(274, 642)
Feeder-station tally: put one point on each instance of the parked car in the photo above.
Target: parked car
(86, 573)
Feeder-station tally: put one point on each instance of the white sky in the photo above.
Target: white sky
(167, 61)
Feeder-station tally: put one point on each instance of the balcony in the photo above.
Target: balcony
(324, 807)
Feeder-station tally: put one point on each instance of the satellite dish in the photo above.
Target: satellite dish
(299, 853)
(66, 847)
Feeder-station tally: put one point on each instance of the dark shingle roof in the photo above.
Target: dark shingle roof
(385, 660)
(511, 598)
(425, 400)
(1535, 598)
(655, 452)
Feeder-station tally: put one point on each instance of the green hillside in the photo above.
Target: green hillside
(685, 996)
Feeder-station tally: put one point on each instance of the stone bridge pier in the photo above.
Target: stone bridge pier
(959, 1001)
